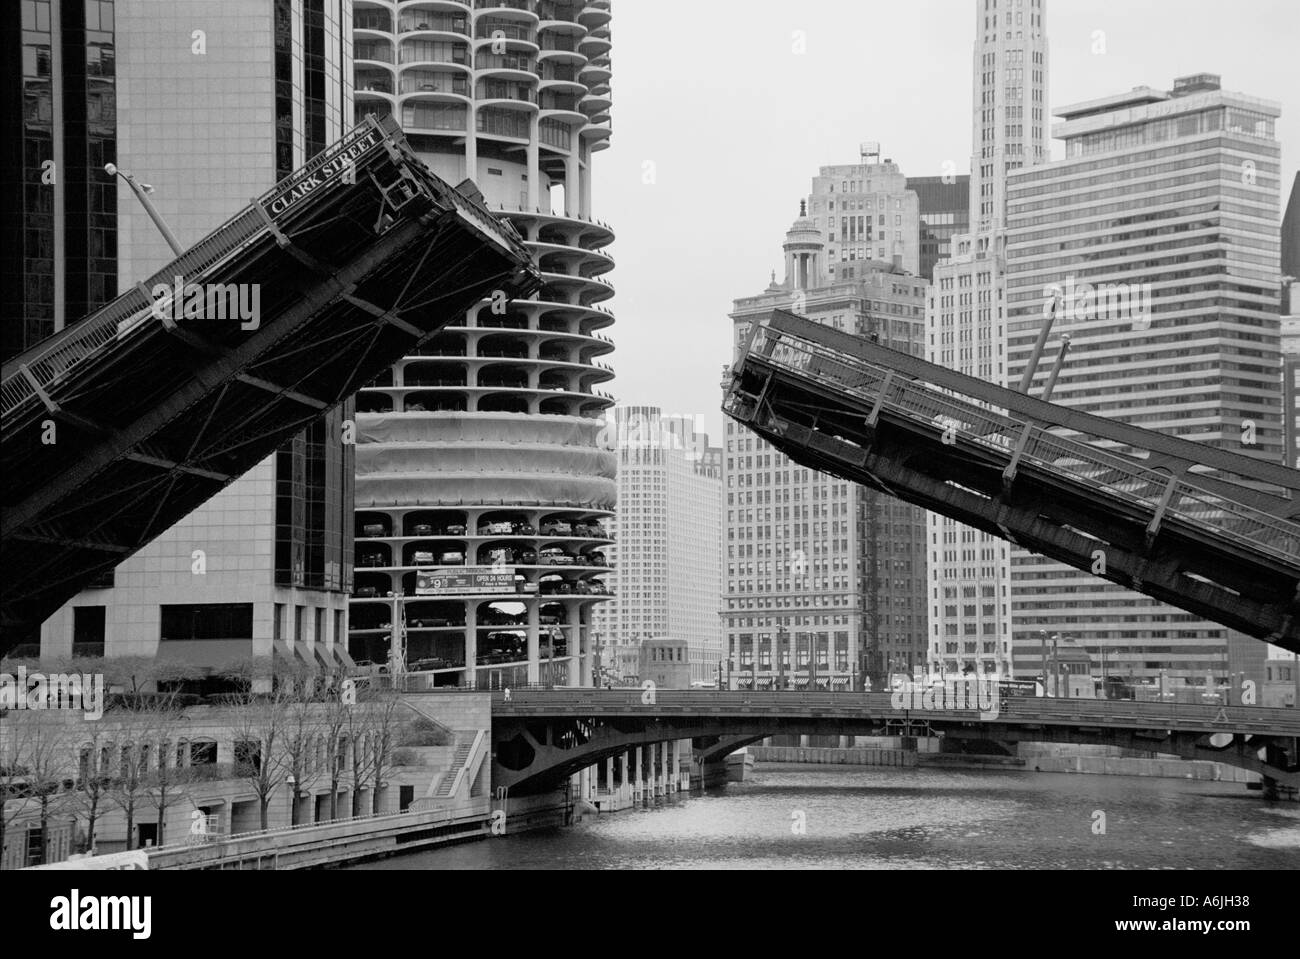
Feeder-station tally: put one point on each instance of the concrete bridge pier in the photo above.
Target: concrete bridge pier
(638, 788)
(1276, 755)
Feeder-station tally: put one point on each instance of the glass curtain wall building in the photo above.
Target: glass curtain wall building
(216, 101)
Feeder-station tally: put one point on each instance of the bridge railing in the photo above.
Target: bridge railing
(1093, 467)
(114, 323)
(1281, 720)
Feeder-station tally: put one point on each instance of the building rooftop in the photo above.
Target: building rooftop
(1138, 96)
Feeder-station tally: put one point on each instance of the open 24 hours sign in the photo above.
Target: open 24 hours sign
(466, 580)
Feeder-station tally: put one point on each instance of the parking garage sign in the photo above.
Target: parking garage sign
(466, 580)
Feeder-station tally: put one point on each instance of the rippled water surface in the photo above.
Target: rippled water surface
(860, 818)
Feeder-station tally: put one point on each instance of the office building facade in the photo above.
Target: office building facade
(969, 570)
(667, 538)
(1157, 237)
(60, 212)
(211, 116)
(482, 452)
(820, 571)
(866, 211)
(1009, 104)
(944, 212)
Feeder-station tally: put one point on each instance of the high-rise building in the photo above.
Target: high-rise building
(59, 260)
(969, 570)
(1291, 325)
(866, 211)
(1291, 371)
(216, 101)
(944, 213)
(1009, 102)
(1157, 239)
(482, 449)
(820, 570)
(667, 538)
(1291, 238)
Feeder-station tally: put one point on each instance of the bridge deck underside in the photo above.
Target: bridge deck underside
(145, 433)
(1215, 577)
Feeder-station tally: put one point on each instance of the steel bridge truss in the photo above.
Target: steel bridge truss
(1210, 531)
(125, 422)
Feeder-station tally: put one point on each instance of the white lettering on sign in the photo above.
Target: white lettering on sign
(343, 161)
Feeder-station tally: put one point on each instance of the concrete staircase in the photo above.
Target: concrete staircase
(464, 744)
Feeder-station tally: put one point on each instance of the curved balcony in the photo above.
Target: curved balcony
(596, 106)
(577, 262)
(371, 23)
(506, 67)
(593, 46)
(418, 52)
(433, 86)
(376, 52)
(593, 16)
(563, 48)
(499, 35)
(549, 227)
(562, 28)
(585, 291)
(427, 22)
(509, 124)
(598, 132)
(457, 7)
(374, 85)
(596, 72)
(434, 117)
(520, 10)
(506, 93)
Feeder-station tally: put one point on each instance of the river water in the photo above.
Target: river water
(889, 818)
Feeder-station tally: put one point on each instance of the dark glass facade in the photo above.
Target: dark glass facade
(59, 131)
(89, 141)
(1291, 238)
(314, 472)
(945, 212)
(207, 621)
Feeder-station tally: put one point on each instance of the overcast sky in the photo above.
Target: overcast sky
(719, 127)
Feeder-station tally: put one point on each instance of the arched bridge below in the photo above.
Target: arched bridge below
(542, 737)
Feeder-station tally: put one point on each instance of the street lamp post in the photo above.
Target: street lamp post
(142, 191)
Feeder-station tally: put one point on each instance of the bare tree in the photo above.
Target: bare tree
(358, 727)
(160, 719)
(386, 716)
(94, 783)
(36, 769)
(301, 743)
(335, 728)
(127, 789)
(39, 771)
(258, 722)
